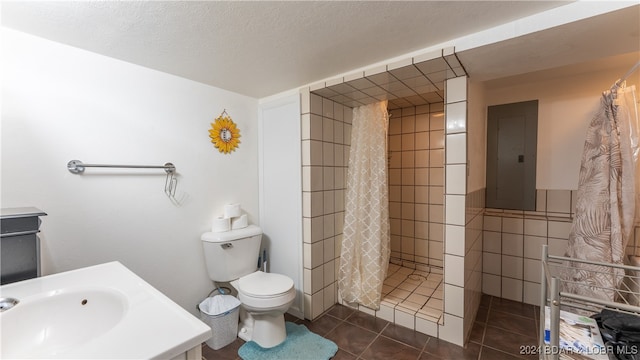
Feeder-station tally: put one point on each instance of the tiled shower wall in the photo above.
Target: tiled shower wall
(322, 225)
(326, 134)
(513, 243)
(416, 185)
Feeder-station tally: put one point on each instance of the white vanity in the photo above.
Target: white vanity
(99, 312)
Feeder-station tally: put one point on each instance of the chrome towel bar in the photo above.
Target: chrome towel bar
(170, 184)
(77, 167)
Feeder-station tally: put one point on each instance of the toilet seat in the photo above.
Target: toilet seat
(260, 291)
(264, 285)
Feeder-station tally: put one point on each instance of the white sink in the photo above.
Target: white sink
(103, 311)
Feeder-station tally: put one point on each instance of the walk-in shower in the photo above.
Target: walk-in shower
(416, 285)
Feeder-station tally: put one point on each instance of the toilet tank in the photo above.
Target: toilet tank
(232, 254)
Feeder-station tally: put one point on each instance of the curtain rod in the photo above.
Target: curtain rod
(625, 76)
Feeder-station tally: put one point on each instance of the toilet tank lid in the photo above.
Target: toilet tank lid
(237, 234)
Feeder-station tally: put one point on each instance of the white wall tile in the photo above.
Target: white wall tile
(492, 242)
(315, 154)
(422, 123)
(456, 179)
(316, 178)
(315, 131)
(455, 243)
(329, 275)
(492, 223)
(405, 319)
(305, 100)
(426, 327)
(386, 312)
(512, 244)
(329, 249)
(454, 270)
(436, 176)
(329, 294)
(535, 227)
(452, 330)
(307, 281)
(512, 289)
(456, 89)
(531, 293)
(317, 229)
(327, 108)
(559, 229)
(557, 247)
(532, 270)
(492, 285)
(317, 304)
(317, 280)
(456, 117)
(454, 300)
(513, 225)
(316, 203)
(316, 104)
(306, 256)
(456, 149)
(492, 263)
(533, 246)
(455, 209)
(328, 177)
(329, 225)
(317, 254)
(436, 139)
(328, 199)
(512, 266)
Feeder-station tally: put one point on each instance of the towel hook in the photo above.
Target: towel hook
(170, 182)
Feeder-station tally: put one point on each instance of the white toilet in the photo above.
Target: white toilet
(232, 256)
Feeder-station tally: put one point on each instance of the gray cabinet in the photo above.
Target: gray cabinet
(20, 247)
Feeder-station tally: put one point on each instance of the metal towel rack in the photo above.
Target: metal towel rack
(170, 184)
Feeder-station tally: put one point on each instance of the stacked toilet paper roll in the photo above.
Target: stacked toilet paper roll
(220, 224)
(233, 218)
(232, 211)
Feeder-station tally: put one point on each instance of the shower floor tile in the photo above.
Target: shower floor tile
(416, 290)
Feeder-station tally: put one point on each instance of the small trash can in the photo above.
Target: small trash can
(221, 313)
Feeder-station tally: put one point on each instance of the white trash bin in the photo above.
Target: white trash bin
(221, 313)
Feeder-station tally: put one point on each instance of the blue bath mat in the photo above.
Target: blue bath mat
(300, 344)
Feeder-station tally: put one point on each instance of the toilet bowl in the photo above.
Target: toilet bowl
(231, 256)
(265, 297)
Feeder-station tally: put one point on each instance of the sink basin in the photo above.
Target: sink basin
(49, 323)
(103, 311)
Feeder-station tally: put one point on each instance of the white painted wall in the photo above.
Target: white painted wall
(60, 103)
(566, 106)
(281, 189)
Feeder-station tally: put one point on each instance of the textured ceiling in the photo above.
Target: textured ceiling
(259, 48)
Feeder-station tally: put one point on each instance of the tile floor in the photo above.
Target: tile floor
(415, 292)
(501, 328)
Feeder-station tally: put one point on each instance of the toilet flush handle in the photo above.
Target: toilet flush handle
(226, 246)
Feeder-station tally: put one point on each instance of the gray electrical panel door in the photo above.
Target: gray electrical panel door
(512, 135)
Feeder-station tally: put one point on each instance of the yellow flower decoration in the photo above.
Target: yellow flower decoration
(224, 134)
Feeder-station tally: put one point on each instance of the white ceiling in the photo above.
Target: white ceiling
(265, 47)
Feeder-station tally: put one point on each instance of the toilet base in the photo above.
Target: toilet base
(266, 330)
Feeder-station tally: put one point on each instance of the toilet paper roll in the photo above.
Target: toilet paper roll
(239, 222)
(232, 210)
(220, 224)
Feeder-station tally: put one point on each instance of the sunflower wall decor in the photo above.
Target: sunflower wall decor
(224, 134)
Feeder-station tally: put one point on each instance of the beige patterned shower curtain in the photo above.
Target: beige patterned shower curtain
(365, 245)
(607, 196)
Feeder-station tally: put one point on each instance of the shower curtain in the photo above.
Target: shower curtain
(607, 196)
(365, 245)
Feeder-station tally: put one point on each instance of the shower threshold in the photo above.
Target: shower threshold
(411, 298)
